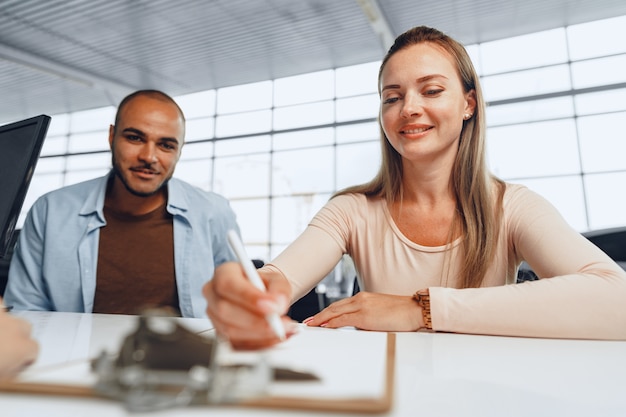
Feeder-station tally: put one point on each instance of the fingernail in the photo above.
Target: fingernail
(324, 324)
(308, 319)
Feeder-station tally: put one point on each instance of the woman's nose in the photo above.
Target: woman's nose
(412, 106)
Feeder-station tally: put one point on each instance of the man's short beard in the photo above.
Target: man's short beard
(118, 174)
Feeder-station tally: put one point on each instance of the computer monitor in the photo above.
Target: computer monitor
(20, 145)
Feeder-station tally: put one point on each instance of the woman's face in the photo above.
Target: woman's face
(423, 104)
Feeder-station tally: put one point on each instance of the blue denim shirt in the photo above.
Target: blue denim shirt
(54, 264)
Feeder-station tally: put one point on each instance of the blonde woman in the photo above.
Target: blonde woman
(435, 238)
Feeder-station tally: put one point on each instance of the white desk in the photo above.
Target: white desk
(436, 374)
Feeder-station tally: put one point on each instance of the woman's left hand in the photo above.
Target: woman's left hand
(371, 311)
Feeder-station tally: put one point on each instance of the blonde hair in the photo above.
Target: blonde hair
(479, 205)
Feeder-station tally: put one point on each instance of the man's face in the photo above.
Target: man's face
(146, 144)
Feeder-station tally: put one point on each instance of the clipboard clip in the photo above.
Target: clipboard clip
(162, 364)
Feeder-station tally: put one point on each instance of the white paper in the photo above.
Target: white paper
(351, 364)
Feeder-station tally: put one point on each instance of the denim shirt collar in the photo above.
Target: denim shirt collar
(94, 201)
(177, 201)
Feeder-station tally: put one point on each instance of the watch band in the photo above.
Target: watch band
(422, 297)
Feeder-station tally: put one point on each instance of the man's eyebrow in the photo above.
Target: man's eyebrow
(133, 130)
(168, 139)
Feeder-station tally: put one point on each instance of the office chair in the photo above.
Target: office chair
(525, 273)
(612, 241)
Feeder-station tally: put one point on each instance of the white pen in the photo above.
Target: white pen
(237, 245)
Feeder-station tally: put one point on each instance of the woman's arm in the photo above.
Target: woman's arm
(306, 261)
(581, 293)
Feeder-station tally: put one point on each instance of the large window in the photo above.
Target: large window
(278, 149)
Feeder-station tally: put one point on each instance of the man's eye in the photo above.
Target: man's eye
(133, 138)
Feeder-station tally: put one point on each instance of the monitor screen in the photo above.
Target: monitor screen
(20, 145)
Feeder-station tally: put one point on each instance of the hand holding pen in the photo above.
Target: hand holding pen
(237, 246)
(241, 313)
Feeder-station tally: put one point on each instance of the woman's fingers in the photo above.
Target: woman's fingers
(370, 311)
(238, 309)
(18, 349)
(335, 315)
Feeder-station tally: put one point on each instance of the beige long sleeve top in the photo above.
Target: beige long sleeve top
(582, 293)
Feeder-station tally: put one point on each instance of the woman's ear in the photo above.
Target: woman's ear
(470, 102)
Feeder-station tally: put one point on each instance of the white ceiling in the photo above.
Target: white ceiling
(65, 55)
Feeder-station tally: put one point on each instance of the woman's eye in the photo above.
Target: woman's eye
(390, 100)
(433, 91)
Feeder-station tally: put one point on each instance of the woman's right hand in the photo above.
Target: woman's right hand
(237, 308)
(17, 348)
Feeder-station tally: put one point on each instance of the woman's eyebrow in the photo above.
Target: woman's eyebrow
(419, 80)
(430, 77)
(390, 87)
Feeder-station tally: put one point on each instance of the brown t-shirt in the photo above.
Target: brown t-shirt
(136, 263)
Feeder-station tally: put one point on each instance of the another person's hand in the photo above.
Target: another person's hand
(371, 311)
(17, 348)
(238, 309)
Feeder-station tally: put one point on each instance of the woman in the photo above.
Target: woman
(17, 348)
(434, 236)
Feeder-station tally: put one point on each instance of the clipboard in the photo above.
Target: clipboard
(349, 404)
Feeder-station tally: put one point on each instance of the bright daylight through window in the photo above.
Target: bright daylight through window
(279, 148)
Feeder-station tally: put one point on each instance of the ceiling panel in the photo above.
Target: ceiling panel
(66, 55)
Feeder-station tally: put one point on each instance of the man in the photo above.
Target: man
(134, 239)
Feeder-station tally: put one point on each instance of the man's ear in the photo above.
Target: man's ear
(111, 135)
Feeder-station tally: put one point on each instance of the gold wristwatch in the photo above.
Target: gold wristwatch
(422, 297)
